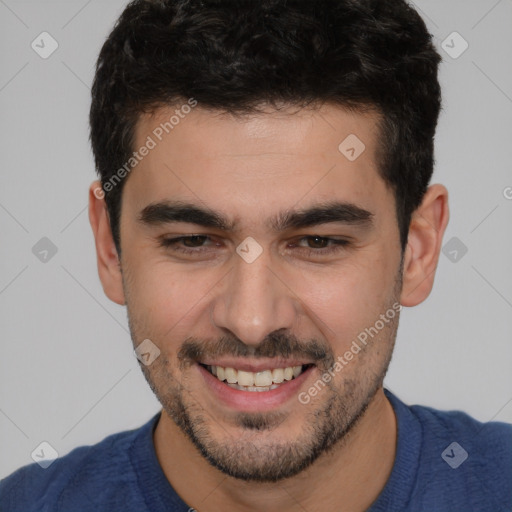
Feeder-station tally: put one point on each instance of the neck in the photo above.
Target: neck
(348, 478)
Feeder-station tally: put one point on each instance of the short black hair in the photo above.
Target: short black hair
(236, 55)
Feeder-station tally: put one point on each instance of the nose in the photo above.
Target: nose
(253, 301)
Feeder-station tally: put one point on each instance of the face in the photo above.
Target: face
(264, 264)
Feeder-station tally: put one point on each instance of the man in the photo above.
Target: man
(264, 212)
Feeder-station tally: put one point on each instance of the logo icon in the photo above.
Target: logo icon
(44, 45)
(44, 455)
(352, 147)
(44, 250)
(147, 352)
(249, 250)
(455, 249)
(454, 455)
(454, 45)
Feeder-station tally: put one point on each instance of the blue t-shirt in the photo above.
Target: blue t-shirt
(445, 462)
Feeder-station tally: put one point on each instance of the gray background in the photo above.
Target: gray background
(68, 374)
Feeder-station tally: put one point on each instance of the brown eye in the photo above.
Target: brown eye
(190, 244)
(317, 242)
(317, 246)
(194, 241)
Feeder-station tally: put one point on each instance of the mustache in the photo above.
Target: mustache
(276, 344)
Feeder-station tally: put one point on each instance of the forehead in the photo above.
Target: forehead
(256, 163)
(306, 131)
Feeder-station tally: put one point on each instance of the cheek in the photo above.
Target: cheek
(166, 299)
(347, 299)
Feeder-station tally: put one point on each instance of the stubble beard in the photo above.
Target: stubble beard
(254, 455)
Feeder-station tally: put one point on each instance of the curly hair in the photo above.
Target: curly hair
(236, 55)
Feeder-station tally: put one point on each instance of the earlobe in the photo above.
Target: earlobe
(426, 230)
(109, 268)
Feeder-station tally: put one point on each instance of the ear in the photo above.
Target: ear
(109, 265)
(426, 230)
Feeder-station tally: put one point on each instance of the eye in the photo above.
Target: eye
(188, 244)
(194, 240)
(311, 245)
(322, 245)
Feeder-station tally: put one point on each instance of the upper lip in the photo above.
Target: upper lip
(255, 365)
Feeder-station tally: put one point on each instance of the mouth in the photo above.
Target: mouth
(263, 389)
(260, 381)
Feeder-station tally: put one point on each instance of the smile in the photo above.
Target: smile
(255, 386)
(264, 380)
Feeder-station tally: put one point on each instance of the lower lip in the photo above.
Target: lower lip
(252, 401)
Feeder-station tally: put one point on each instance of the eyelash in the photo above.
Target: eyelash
(337, 245)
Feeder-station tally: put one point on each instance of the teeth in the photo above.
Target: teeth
(262, 378)
(231, 375)
(253, 388)
(255, 381)
(278, 375)
(297, 370)
(246, 378)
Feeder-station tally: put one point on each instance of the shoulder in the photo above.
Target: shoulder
(462, 461)
(492, 439)
(76, 479)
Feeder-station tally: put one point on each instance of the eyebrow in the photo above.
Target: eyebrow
(168, 212)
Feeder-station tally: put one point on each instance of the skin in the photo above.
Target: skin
(249, 169)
